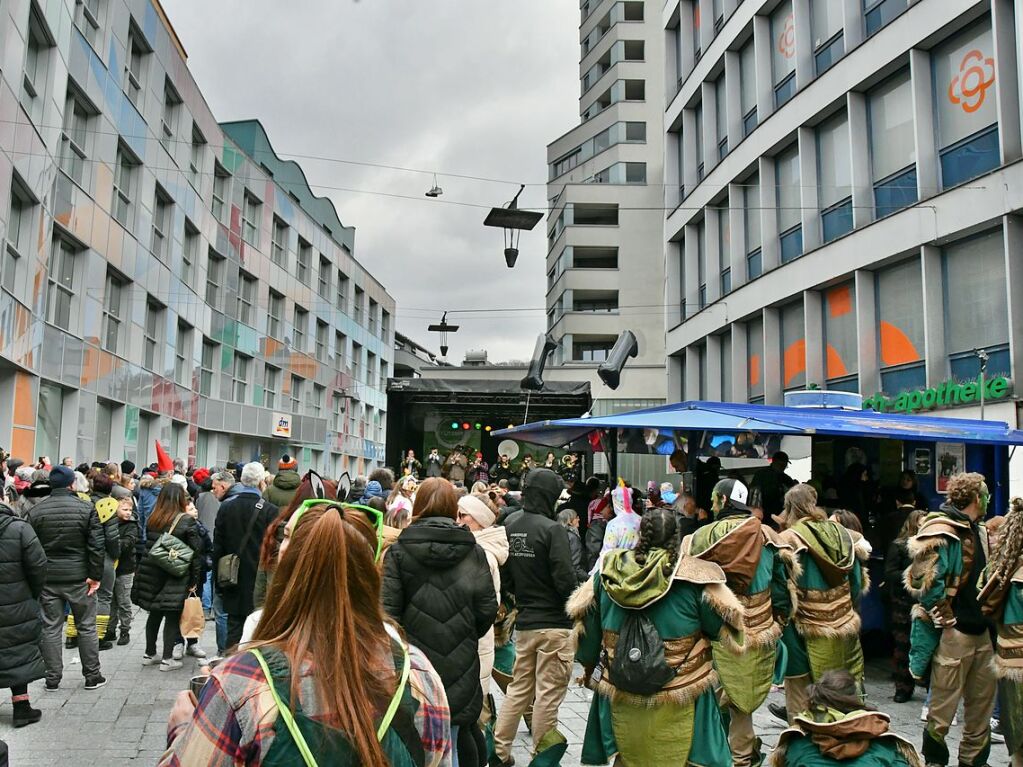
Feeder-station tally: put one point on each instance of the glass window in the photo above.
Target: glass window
(748, 86)
(826, 20)
(592, 351)
(697, 51)
(305, 253)
(755, 360)
(214, 278)
(900, 314)
(113, 313)
(356, 359)
(220, 177)
(275, 310)
(319, 393)
(342, 289)
(182, 353)
(724, 241)
(74, 139)
(300, 321)
(890, 115)
(246, 297)
(751, 212)
(209, 356)
(701, 261)
(87, 20)
(19, 227)
(169, 119)
(841, 349)
(250, 220)
(163, 218)
(726, 366)
(61, 283)
(125, 174)
(271, 380)
(698, 123)
(786, 168)
(964, 73)
(877, 13)
(297, 386)
(783, 43)
(793, 346)
(323, 279)
(321, 340)
(195, 158)
(151, 345)
(239, 377)
(828, 54)
(340, 344)
(975, 267)
(50, 418)
(721, 112)
(189, 252)
(834, 176)
(133, 70)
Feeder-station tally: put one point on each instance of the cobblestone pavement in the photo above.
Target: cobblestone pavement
(124, 723)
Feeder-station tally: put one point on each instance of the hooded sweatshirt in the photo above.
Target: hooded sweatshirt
(539, 572)
(283, 488)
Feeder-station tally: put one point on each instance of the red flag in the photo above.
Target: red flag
(164, 464)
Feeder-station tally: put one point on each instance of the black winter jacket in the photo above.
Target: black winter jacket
(539, 571)
(128, 539)
(154, 588)
(71, 535)
(22, 577)
(237, 510)
(437, 585)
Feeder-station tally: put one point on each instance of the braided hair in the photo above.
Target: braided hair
(657, 530)
(1009, 556)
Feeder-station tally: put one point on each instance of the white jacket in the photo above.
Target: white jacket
(494, 541)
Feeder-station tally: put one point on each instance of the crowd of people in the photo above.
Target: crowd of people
(372, 622)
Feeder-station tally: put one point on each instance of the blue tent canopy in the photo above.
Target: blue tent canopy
(768, 419)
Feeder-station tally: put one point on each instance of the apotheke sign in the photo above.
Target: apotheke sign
(943, 395)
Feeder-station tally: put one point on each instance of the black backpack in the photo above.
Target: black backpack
(639, 666)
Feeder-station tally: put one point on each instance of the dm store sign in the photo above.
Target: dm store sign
(282, 425)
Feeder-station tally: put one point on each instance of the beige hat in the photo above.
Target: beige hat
(476, 509)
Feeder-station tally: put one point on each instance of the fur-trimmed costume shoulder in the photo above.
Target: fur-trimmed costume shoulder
(843, 737)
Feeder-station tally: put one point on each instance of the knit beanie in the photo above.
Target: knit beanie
(287, 462)
(61, 477)
(475, 508)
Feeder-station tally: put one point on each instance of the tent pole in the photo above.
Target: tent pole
(612, 435)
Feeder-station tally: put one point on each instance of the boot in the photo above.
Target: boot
(25, 714)
(71, 642)
(125, 637)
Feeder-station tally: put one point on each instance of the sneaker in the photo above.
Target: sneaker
(179, 652)
(151, 660)
(124, 639)
(902, 696)
(196, 651)
(94, 682)
(996, 731)
(105, 644)
(924, 713)
(170, 664)
(779, 712)
(70, 643)
(52, 686)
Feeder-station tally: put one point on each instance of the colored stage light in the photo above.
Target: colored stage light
(486, 428)
(478, 427)
(454, 424)
(465, 426)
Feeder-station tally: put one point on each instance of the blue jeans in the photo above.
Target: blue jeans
(454, 746)
(220, 618)
(207, 592)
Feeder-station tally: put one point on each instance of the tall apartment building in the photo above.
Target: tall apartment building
(605, 264)
(846, 189)
(165, 276)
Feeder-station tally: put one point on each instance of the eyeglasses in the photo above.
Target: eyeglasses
(375, 518)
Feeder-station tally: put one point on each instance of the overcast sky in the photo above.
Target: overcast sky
(475, 87)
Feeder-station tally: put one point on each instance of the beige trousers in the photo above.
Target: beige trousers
(963, 669)
(797, 695)
(742, 740)
(543, 669)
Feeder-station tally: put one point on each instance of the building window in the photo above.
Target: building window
(239, 377)
(152, 336)
(697, 50)
(19, 231)
(297, 387)
(74, 139)
(169, 119)
(755, 359)
(323, 279)
(214, 278)
(976, 267)
(250, 219)
(305, 251)
(834, 169)
(701, 262)
(220, 177)
(271, 380)
(301, 321)
(321, 340)
(275, 311)
(892, 144)
(721, 113)
(592, 351)
(783, 53)
(206, 367)
(342, 289)
(383, 375)
(196, 158)
(356, 360)
(878, 13)
(182, 354)
(126, 167)
(901, 326)
(246, 296)
(279, 243)
(338, 411)
(793, 346)
(319, 394)
(163, 218)
(134, 68)
(360, 299)
(371, 367)
(37, 60)
(189, 252)
(826, 29)
(340, 344)
(751, 221)
(50, 418)
(724, 249)
(786, 171)
(748, 87)
(87, 19)
(60, 277)
(700, 156)
(372, 323)
(967, 119)
(113, 312)
(841, 346)
(385, 325)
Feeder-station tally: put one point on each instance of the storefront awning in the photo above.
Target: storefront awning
(730, 417)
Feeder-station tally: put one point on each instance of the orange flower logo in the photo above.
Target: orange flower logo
(969, 88)
(787, 39)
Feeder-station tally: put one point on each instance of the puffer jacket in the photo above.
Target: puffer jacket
(283, 488)
(494, 542)
(22, 577)
(71, 535)
(128, 539)
(154, 588)
(437, 585)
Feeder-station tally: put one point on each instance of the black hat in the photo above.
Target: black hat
(735, 493)
(127, 467)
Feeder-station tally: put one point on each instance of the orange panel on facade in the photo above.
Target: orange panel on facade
(794, 361)
(896, 348)
(839, 301)
(24, 402)
(836, 368)
(23, 443)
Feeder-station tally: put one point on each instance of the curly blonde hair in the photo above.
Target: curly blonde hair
(965, 488)
(1009, 555)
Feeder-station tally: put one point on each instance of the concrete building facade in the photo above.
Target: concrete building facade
(165, 276)
(605, 250)
(844, 193)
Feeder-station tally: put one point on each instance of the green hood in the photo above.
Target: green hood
(830, 546)
(287, 479)
(633, 585)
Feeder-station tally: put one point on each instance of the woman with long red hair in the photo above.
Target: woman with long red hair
(325, 681)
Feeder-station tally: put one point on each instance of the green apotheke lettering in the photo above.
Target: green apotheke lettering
(944, 394)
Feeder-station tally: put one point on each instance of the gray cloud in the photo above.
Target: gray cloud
(460, 86)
